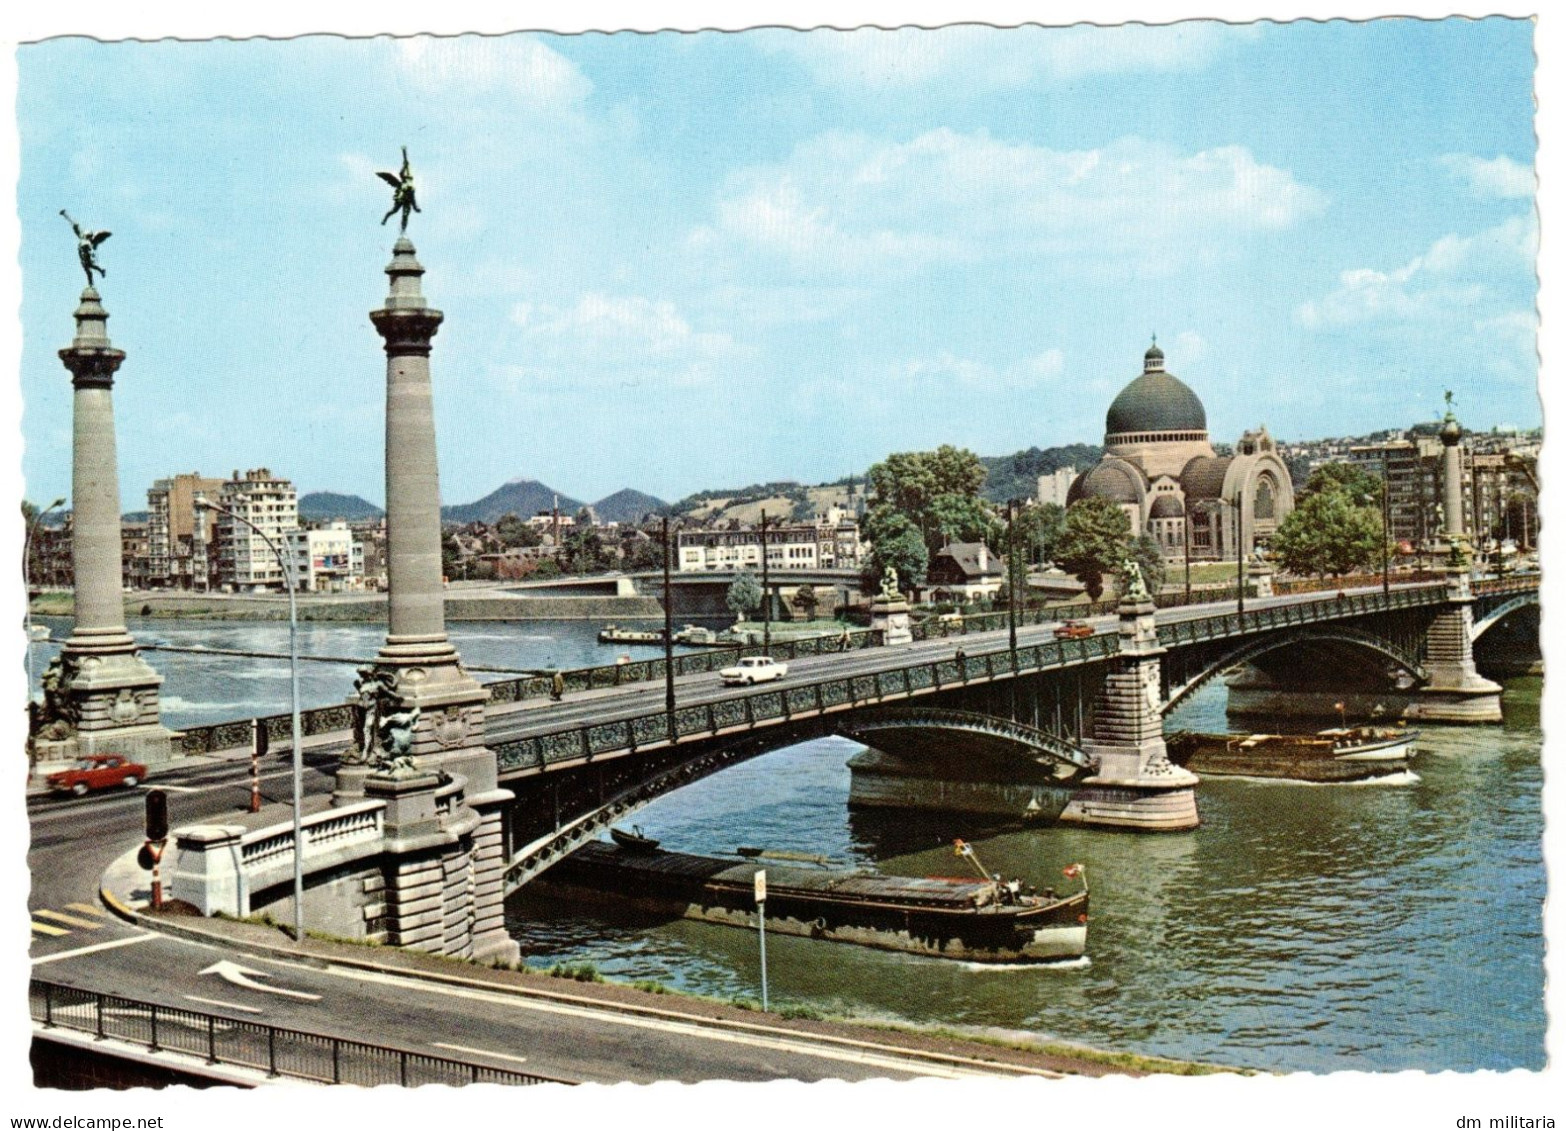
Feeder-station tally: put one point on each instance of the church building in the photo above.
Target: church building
(1161, 469)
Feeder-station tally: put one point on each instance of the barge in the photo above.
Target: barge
(975, 920)
(614, 634)
(1341, 754)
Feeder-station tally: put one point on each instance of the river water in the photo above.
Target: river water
(1300, 928)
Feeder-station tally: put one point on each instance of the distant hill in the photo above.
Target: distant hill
(1017, 476)
(324, 506)
(627, 506)
(521, 497)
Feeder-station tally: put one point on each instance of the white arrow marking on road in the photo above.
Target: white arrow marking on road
(238, 975)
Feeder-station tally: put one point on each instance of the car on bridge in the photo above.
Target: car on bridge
(753, 669)
(1073, 630)
(97, 771)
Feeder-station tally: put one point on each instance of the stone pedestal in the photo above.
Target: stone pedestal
(1259, 577)
(424, 671)
(889, 621)
(1456, 693)
(109, 695)
(1134, 785)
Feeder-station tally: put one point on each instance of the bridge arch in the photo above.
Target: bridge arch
(1254, 649)
(1505, 609)
(1002, 737)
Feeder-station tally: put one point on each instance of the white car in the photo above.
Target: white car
(754, 669)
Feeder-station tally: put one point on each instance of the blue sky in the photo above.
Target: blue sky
(683, 261)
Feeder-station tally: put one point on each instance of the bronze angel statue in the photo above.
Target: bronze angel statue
(402, 192)
(87, 247)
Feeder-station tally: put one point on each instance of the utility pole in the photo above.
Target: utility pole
(1011, 577)
(668, 626)
(1386, 533)
(766, 592)
(1185, 527)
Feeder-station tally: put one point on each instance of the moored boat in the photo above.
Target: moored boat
(1341, 754)
(633, 841)
(988, 920)
(614, 634)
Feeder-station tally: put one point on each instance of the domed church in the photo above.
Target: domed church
(1160, 467)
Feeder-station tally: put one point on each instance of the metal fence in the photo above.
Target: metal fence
(783, 705)
(1201, 629)
(250, 1044)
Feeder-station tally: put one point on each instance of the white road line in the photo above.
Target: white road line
(911, 1066)
(95, 947)
(224, 1004)
(479, 1052)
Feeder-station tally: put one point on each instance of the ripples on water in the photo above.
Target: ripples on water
(1301, 928)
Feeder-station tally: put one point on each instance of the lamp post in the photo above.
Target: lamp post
(1011, 578)
(668, 627)
(766, 593)
(287, 565)
(27, 584)
(1386, 536)
(1185, 531)
(1235, 505)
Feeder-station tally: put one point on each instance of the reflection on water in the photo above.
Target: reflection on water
(1302, 927)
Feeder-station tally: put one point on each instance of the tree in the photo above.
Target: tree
(1359, 484)
(1149, 557)
(583, 551)
(936, 492)
(1095, 541)
(1038, 531)
(1329, 531)
(450, 556)
(514, 533)
(899, 545)
(744, 594)
(805, 600)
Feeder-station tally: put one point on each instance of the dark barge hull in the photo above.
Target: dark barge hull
(1292, 757)
(947, 918)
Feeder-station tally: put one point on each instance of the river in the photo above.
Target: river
(1300, 928)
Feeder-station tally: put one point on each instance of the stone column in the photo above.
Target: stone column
(1134, 786)
(1456, 693)
(426, 672)
(1452, 477)
(112, 693)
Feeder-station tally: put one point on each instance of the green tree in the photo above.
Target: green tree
(1329, 531)
(901, 546)
(936, 492)
(744, 594)
(1359, 484)
(1095, 541)
(805, 600)
(642, 554)
(1149, 557)
(583, 551)
(450, 557)
(1038, 531)
(514, 533)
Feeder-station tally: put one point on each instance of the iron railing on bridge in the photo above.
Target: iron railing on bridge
(1223, 625)
(803, 701)
(254, 1045)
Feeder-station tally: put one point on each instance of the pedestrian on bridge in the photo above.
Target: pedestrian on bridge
(557, 686)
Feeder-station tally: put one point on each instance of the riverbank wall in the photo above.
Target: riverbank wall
(366, 608)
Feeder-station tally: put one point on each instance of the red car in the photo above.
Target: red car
(97, 771)
(1073, 630)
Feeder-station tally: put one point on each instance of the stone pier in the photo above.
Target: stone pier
(460, 865)
(1135, 786)
(1456, 693)
(101, 696)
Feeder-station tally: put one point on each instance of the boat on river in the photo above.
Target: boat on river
(614, 634)
(1340, 754)
(976, 920)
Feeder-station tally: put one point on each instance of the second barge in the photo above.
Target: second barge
(974, 920)
(1342, 754)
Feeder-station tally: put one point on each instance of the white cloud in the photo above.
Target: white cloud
(1454, 278)
(1499, 177)
(627, 339)
(946, 369)
(983, 59)
(516, 65)
(1187, 348)
(846, 201)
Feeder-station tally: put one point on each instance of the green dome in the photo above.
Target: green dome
(1156, 402)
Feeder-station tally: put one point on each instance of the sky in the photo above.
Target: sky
(682, 261)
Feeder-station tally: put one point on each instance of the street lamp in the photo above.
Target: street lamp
(1239, 545)
(766, 593)
(27, 584)
(287, 565)
(1011, 577)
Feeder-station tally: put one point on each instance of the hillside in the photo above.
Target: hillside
(1017, 476)
(627, 506)
(324, 506)
(521, 497)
